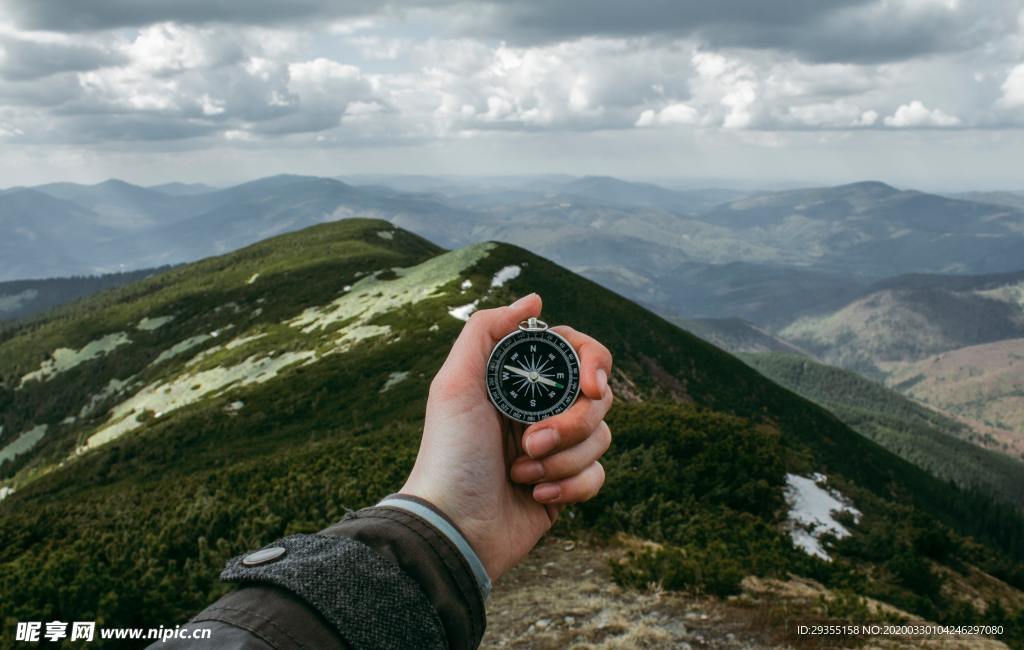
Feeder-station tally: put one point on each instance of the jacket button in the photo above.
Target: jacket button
(263, 556)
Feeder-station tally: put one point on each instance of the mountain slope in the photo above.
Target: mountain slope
(871, 225)
(984, 383)
(222, 404)
(737, 335)
(909, 318)
(23, 298)
(917, 434)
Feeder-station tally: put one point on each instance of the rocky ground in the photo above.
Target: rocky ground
(563, 597)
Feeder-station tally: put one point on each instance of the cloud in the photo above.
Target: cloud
(916, 114)
(23, 59)
(673, 114)
(58, 15)
(1013, 87)
(866, 31)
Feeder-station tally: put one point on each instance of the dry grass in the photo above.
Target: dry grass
(563, 596)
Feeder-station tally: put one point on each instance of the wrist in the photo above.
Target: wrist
(434, 514)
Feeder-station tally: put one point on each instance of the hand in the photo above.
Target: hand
(470, 463)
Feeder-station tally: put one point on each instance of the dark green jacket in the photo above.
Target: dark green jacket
(397, 575)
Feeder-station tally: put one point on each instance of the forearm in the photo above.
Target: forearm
(381, 577)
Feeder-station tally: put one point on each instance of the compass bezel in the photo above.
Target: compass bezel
(495, 391)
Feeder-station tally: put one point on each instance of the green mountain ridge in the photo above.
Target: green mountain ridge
(277, 386)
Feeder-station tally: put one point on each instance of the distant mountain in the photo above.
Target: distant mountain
(23, 298)
(984, 383)
(183, 189)
(910, 318)
(228, 219)
(765, 257)
(1013, 200)
(946, 447)
(874, 229)
(41, 235)
(736, 335)
(606, 189)
(120, 205)
(183, 418)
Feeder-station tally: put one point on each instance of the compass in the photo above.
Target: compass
(533, 373)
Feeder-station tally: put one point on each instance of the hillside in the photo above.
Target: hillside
(912, 317)
(944, 446)
(736, 335)
(216, 406)
(979, 382)
(871, 225)
(24, 298)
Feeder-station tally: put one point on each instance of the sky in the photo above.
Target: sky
(922, 93)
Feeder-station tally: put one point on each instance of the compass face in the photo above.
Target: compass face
(532, 375)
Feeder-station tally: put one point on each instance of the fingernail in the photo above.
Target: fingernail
(541, 442)
(530, 471)
(547, 492)
(602, 380)
(523, 299)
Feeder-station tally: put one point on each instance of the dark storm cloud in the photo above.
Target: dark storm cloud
(22, 60)
(81, 15)
(856, 31)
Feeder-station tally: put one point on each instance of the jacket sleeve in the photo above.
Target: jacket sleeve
(397, 575)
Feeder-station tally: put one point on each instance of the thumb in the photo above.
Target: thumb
(485, 328)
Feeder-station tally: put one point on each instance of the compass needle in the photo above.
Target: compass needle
(524, 370)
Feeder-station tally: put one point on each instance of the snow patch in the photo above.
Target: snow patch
(24, 442)
(811, 508)
(252, 278)
(65, 358)
(180, 347)
(393, 379)
(386, 234)
(242, 340)
(5, 491)
(504, 275)
(161, 398)
(113, 387)
(149, 324)
(466, 284)
(370, 296)
(465, 311)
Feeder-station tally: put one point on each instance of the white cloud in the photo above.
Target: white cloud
(672, 114)
(916, 114)
(1013, 87)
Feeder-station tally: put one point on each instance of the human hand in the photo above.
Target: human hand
(471, 463)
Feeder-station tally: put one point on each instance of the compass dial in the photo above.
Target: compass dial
(532, 375)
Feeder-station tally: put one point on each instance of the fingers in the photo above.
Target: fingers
(595, 361)
(575, 489)
(566, 463)
(568, 428)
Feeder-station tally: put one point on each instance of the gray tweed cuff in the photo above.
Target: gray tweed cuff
(367, 599)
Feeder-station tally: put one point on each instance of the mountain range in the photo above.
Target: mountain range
(839, 238)
(218, 405)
